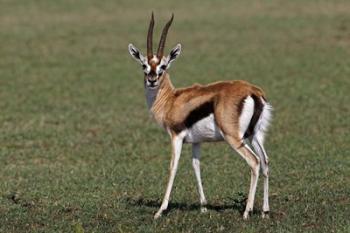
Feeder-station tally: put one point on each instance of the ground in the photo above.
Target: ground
(80, 153)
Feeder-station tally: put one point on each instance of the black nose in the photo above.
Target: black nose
(151, 81)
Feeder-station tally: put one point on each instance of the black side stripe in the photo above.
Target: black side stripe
(195, 115)
(199, 113)
(258, 108)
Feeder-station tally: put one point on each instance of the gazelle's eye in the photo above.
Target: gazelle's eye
(144, 66)
(163, 67)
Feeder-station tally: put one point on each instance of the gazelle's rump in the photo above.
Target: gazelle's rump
(246, 115)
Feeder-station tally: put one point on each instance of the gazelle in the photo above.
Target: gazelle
(234, 111)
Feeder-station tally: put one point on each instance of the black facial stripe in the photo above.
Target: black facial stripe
(258, 108)
(152, 73)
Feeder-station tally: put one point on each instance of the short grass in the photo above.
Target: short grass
(79, 152)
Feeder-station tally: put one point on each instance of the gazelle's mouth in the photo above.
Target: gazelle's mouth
(152, 86)
(152, 83)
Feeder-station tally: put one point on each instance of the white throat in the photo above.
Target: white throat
(151, 95)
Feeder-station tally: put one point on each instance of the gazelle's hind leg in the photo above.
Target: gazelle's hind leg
(197, 172)
(257, 143)
(254, 163)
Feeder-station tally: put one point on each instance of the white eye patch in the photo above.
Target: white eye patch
(146, 68)
(162, 66)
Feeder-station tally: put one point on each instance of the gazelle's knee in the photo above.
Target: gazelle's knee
(265, 170)
(256, 166)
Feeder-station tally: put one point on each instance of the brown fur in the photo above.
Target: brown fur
(172, 106)
(153, 65)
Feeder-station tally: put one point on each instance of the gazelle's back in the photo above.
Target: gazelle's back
(225, 100)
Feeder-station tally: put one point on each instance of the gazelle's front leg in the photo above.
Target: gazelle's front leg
(176, 142)
(197, 171)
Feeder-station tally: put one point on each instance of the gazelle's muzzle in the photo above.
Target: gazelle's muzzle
(152, 81)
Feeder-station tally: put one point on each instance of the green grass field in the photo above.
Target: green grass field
(80, 153)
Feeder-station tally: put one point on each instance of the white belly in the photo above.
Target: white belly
(204, 130)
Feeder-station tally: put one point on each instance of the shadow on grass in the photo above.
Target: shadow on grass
(237, 204)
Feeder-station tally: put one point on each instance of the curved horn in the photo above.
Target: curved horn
(149, 39)
(163, 38)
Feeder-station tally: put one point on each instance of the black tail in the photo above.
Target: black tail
(258, 108)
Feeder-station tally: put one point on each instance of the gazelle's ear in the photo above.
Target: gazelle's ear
(135, 53)
(173, 54)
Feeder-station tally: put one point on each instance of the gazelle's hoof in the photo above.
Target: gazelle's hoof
(158, 215)
(246, 215)
(265, 214)
(204, 209)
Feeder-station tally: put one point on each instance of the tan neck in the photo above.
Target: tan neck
(163, 99)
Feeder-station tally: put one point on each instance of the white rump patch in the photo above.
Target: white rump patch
(260, 131)
(204, 130)
(246, 115)
(263, 122)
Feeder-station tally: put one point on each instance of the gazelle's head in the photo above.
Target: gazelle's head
(155, 65)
